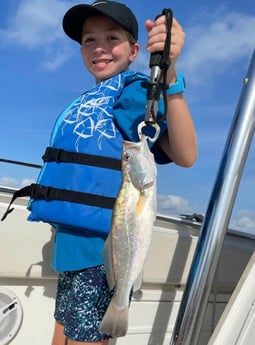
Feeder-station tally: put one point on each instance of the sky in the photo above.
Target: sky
(41, 71)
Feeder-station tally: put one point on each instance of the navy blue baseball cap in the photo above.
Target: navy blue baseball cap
(74, 18)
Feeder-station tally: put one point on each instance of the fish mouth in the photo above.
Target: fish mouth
(149, 184)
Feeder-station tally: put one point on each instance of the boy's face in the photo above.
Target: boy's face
(105, 48)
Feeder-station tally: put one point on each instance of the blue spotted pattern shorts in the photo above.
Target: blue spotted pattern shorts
(81, 301)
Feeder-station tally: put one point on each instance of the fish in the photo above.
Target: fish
(128, 243)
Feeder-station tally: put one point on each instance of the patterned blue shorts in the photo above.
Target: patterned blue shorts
(81, 301)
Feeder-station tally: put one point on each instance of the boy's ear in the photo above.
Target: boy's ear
(134, 51)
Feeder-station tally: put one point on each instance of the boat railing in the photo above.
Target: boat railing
(25, 164)
(214, 227)
(9, 189)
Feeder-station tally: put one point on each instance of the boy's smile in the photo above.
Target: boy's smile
(101, 63)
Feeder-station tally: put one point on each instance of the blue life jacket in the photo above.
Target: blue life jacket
(81, 176)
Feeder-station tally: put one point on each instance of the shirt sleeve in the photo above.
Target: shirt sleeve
(129, 112)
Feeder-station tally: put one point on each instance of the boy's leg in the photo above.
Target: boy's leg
(58, 336)
(88, 300)
(63, 288)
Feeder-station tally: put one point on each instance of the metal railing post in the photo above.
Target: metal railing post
(214, 227)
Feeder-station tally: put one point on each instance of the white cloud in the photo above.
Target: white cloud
(31, 24)
(14, 183)
(244, 221)
(8, 182)
(36, 24)
(173, 204)
(215, 42)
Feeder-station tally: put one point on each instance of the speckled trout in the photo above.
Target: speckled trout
(128, 243)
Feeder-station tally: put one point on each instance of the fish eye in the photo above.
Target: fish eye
(128, 156)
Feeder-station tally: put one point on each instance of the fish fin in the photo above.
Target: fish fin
(115, 321)
(140, 204)
(108, 265)
(138, 282)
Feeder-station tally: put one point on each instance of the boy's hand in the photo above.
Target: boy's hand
(156, 41)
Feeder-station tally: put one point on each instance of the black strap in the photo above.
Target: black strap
(38, 191)
(18, 194)
(166, 62)
(59, 155)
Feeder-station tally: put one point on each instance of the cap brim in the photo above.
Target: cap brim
(74, 19)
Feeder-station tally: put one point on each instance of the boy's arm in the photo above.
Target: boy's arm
(179, 142)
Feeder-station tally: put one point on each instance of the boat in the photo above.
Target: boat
(198, 280)
(27, 277)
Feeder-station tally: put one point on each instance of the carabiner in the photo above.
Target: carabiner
(143, 124)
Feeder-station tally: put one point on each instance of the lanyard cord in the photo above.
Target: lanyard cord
(166, 62)
(159, 64)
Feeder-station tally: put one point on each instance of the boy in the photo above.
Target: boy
(108, 32)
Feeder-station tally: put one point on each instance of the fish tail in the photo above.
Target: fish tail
(115, 321)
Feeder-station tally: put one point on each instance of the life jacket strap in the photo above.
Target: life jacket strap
(38, 191)
(59, 155)
(25, 191)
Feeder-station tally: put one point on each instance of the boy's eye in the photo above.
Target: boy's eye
(87, 40)
(112, 38)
